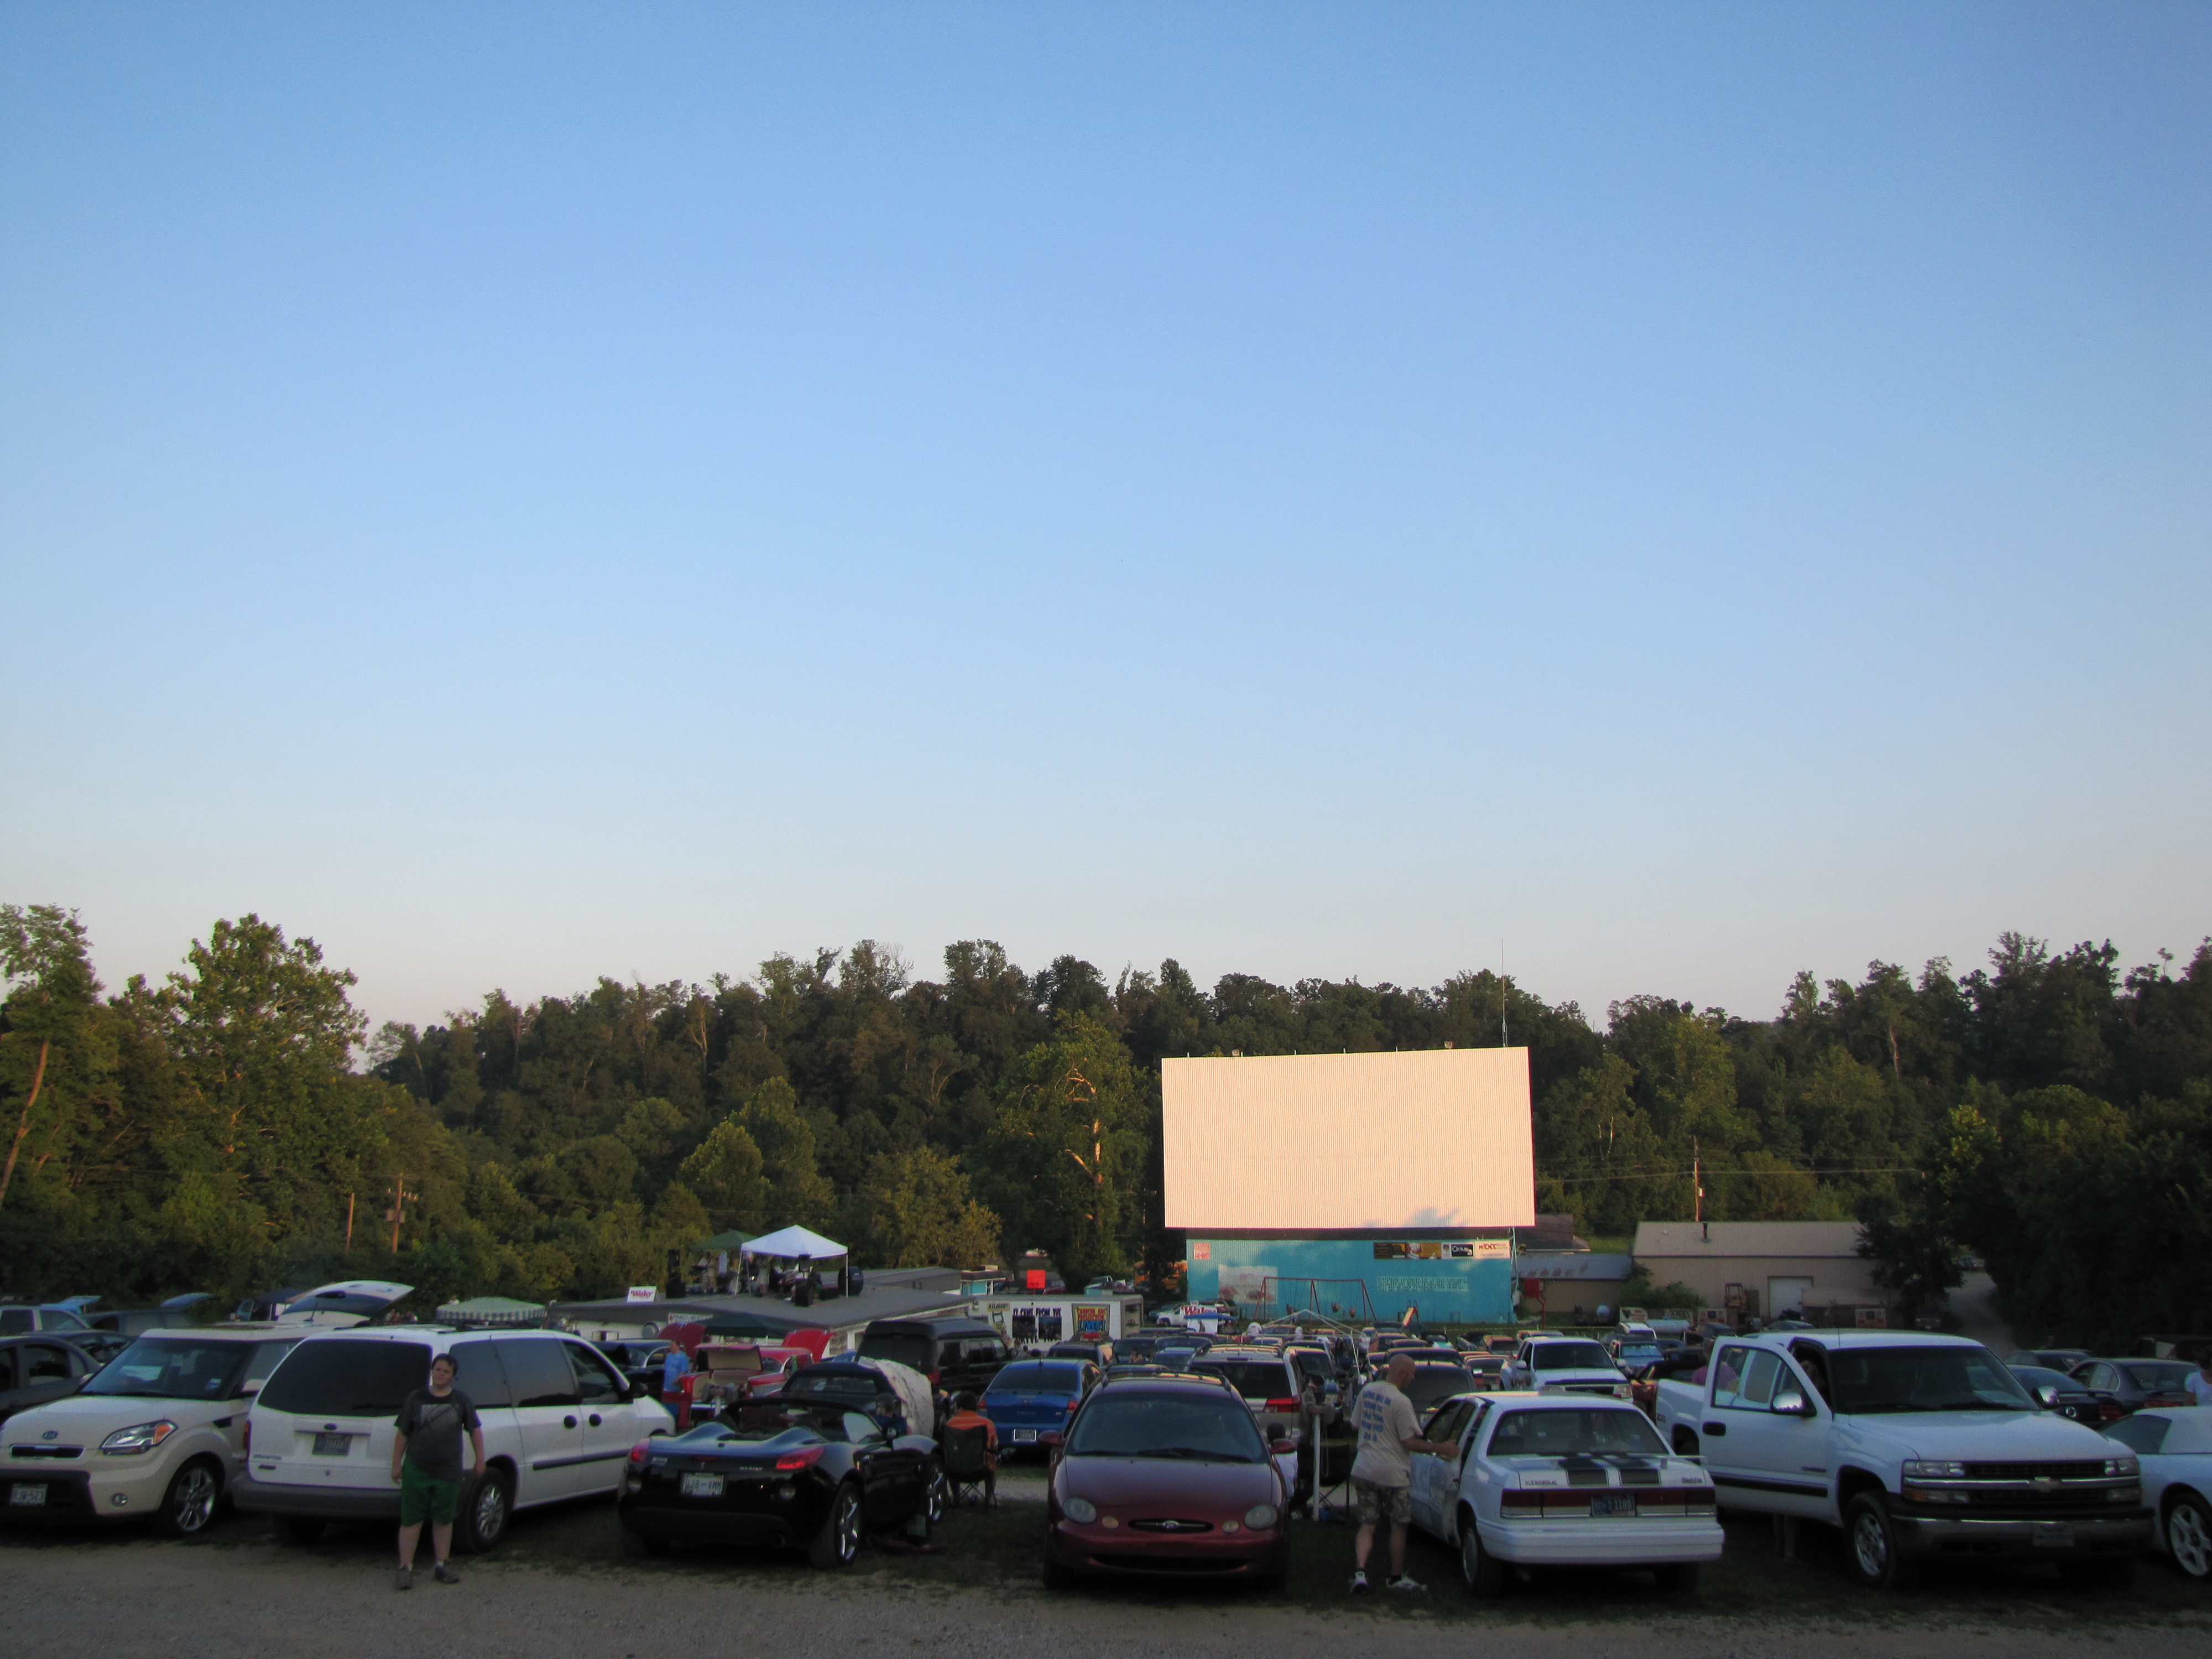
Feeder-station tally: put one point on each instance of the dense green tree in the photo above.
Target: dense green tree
(914, 1209)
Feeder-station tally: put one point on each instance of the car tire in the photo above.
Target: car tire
(2188, 1524)
(1483, 1573)
(1685, 1442)
(300, 1529)
(487, 1507)
(2116, 1574)
(1677, 1578)
(839, 1540)
(1870, 1552)
(936, 1495)
(188, 1507)
(638, 1547)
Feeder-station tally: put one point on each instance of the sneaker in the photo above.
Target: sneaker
(1360, 1583)
(406, 1580)
(1403, 1582)
(446, 1575)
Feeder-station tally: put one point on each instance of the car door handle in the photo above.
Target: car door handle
(567, 1422)
(595, 1419)
(1718, 1431)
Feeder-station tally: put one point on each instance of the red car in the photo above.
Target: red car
(1165, 1478)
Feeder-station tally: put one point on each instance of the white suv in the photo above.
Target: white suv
(159, 1432)
(1566, 1364)
(559, 1421)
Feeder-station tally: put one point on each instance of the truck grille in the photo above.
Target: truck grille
(2092, 1471)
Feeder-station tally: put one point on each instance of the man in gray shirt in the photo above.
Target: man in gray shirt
(426, 1461)
(1383, 1473)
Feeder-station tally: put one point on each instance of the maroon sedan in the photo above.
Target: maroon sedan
(1164, 1477)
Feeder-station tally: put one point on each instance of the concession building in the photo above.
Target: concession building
(1360, 1185)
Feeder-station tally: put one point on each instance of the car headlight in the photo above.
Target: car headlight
(139, 1437)
(1916, 1470)
(2122, 1466)
(1260, 1515)
(1081, 1510)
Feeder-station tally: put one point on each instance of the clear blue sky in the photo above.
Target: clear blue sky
(521, 492)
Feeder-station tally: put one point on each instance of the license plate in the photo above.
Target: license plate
(27, 1496)
(1622, 1504)
(1023, 1435)
(703, 1485)
(2053, 1535)
(332, 1446)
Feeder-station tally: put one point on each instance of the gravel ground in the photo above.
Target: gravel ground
(557, 1586)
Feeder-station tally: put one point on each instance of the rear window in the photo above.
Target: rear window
(337, 1378)
(1568, 1433)
(919, 1351)
(1568, 1356)
(1255, 1379)
(1038, 1376)
(1433, 1382)
(2160, 1379)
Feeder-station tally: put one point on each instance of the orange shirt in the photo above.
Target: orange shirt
(966, 1420)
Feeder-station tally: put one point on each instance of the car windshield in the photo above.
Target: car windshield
(1433, 1382)
(1166, 1426)
(1036, 1376)
(175, 1368)
(1568, 1356)
(918, 1351)
(2160, 1379)
(1583, 1430)
(338, 1376)
(1929, 1379)
(1255, 1379)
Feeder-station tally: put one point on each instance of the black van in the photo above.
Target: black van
(955, 1354)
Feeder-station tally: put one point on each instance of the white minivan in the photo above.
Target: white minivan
(559, 1421)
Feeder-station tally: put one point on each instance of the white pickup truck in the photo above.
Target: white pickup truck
(1919, 1446)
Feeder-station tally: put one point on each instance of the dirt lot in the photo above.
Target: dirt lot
(558, 1587)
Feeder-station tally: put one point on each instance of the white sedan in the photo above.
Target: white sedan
(1547, 1479)
(2174, 1446)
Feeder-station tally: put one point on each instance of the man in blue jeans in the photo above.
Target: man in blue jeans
(426, 1461)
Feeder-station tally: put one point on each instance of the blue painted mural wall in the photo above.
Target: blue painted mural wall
(1465, 1288)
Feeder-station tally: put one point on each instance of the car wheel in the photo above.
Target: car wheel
(1686, 1443)
(1871, 1551)
(486, 1507)
(839, 1540)
(637, 1547)
(934, 1495)
(2109, 1575)
(1483, 1573)
(2189, 1534)
(300, 1529)
(1677, 1578)
(188, 1507)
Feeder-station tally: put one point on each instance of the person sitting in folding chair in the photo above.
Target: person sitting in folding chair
(971, 1451)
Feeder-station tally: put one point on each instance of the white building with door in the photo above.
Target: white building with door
(1766, 1268)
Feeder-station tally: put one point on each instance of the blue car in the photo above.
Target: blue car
(1031, 1397)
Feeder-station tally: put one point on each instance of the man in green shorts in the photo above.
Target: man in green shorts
(426, 1461)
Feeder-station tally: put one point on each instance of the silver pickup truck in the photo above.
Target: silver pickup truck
(1918, 1446)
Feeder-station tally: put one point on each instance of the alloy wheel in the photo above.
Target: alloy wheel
(191, 1500)
(1870, 1544)
(489, 1515)
(933, 1504)
(2189, 1539)
(848, 1525)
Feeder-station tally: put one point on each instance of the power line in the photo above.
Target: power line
(1669, 1174)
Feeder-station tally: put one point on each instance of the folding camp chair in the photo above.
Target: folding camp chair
(967, 1454)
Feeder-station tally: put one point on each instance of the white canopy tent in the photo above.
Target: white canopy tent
(792, 1243)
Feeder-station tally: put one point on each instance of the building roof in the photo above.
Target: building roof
(1666, 1239)
(771, 1313)
(1572, 1265)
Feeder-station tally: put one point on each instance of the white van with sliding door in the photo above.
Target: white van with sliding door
(559, 1419)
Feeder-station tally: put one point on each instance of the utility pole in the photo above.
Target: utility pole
(1697, 1181)
(398, 1212)
(349, 1243)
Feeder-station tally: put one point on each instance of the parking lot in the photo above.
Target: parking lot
(558, 1584)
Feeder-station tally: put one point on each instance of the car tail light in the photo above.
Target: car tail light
(1521, 1500)
(639, 1453)
(934, 1377)
(2110, 1410)
(1288, 1403)
(805, 1458)
(1072, 1405)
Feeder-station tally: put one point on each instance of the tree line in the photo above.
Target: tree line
(237, 1124)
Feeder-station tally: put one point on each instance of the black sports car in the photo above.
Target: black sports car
(786, 1474)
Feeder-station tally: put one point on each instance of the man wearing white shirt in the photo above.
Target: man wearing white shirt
(2200, 1382)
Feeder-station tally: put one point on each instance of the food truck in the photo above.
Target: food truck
(1032, 1320)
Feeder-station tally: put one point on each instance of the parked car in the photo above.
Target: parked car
(2122, 1386)
(559, 1421)
(1031, 1398)
(1165, 1477)
(1558, 1480)
(17, 1317)
(2057, 1359)
(1632, 1354)
(2057, 1392)
(1270, 1384)
(1098, 1353)
(956, 1355)
(160, 1434)
(812, 1474)
(1567, 1365)
(34, 1369)
(2174, 1449)
(776, 1365)
(1917, 1445)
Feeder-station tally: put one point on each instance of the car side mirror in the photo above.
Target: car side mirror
(2046, 1396)
(1790, 1403)
(1052, 1437)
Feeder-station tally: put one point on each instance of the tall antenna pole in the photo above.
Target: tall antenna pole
(1698, 1181)
(1502, 1042)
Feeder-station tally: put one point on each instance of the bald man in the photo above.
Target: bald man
(1383, 1473)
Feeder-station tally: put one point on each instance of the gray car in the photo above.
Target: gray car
(36, 1369)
